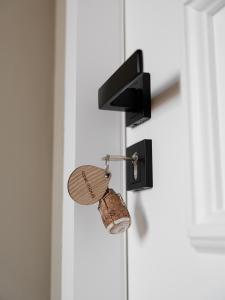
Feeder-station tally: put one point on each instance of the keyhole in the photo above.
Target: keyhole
(135, 165)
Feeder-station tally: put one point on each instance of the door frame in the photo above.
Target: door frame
(63, 247)
(64, 153)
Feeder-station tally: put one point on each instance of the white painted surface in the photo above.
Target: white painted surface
(142, 19)
(99, 260)
(219, 32)
(87, 262)
(162, 262)
(204, 94)
(26, 104)
(63, 246)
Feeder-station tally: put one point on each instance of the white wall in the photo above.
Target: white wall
(162, 262)
(26, 86)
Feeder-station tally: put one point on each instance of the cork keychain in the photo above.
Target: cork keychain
(88, 185)
(114, 212)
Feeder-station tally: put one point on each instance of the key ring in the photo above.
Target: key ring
(107, 172)
(109, 157)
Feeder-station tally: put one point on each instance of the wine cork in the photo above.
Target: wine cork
(114, 213)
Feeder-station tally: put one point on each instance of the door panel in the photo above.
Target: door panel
(162, 262)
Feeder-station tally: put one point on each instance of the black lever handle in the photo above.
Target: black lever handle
(128, 89)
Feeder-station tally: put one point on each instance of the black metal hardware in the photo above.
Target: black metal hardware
(143, 179)
(128, 89)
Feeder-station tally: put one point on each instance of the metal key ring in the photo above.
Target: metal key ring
(107, 172)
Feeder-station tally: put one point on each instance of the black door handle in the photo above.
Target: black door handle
(128, 89)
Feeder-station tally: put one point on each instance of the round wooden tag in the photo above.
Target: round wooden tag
(87, 184)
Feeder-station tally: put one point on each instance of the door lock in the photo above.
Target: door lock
(138, 165)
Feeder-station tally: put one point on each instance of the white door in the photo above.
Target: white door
(176, 242)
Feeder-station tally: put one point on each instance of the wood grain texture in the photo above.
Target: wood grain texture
(87, 184)
(114, 212)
